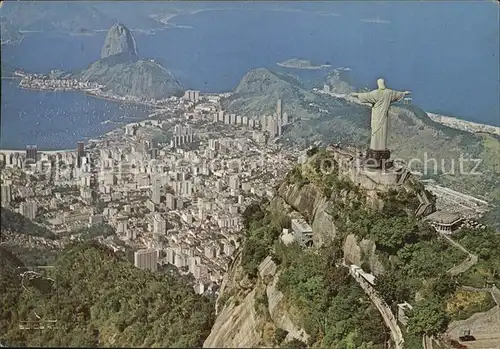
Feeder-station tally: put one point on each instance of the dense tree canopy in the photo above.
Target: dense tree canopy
(100, 299)
(14, 222)
(428, 317)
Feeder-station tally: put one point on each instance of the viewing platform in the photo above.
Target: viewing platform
(353, 164)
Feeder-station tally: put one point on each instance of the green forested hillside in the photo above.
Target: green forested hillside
(325, 301)
(101, 299)
(417, 263)
(14, 222)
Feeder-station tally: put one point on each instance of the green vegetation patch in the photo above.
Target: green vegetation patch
(103, 300)
(334, 310)
(464, 304)
(485, 243)
(263, 228)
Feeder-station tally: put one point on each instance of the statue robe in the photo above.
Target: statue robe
(381, 101)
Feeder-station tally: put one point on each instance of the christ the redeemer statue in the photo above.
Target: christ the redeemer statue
(381, 100)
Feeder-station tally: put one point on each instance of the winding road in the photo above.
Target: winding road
(485, 326)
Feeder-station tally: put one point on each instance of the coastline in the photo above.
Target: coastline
(461, 124)
(85, 92)
(47, 90)
(111, 99)
(13, 151)
(449, 121)
(116, 124)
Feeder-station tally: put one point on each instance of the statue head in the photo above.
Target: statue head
(381, 84)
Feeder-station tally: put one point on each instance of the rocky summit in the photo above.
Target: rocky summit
(123, 73)
(118, 41)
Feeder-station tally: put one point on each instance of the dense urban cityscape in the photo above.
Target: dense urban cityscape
(172, 187)
(175, 198)
(218, 175)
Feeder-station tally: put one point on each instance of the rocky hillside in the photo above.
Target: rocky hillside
(413, 135)
(258, 90)
(119, 41)
(278, 295)
(124, 74)
(339, 81)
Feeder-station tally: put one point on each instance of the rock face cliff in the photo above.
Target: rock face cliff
(339, 81)
(244, 320)
(124, 76)
(123, 73)
(118, 41)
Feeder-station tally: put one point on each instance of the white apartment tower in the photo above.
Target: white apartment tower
(28, 209)
(156, 192)
(146, 259)
(6, 194)
(159, 224)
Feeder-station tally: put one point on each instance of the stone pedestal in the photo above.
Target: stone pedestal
(378, 159)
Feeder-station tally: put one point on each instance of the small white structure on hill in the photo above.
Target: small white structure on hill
(403, 309)
(302, 231)
(358, 272)
(287, 237)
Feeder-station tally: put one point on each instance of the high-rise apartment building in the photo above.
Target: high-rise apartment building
(234, 182)
(80, 153)
(192, 95)
(263, 123)
(28, 209)
(153, 153)
(6, 194)
(227, 119)
(31, 153)
(146, 259)
(159, 224)
(407, 100)
(285, 119)
(171, 201)
(156, 192)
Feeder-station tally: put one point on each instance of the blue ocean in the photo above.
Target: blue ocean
(57, 120)
(446, 55)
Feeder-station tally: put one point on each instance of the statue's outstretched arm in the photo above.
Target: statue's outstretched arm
(367, 97)
(398, 95)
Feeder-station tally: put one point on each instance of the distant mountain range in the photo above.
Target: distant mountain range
(38, 15)
(10, 32)
(79, 17)
(71, 16)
